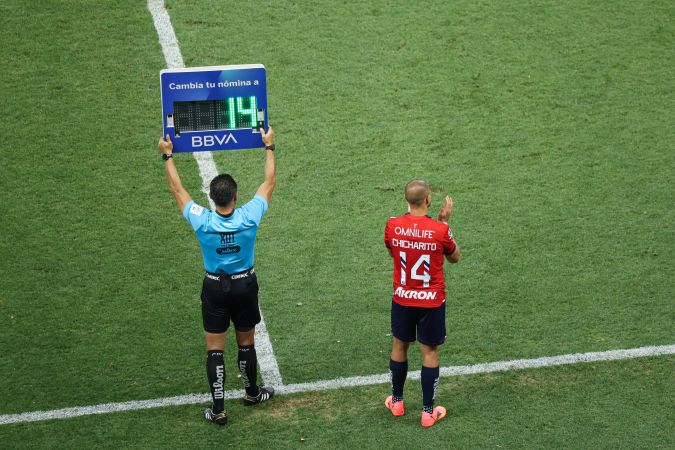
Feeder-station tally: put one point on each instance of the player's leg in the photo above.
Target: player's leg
(216, 321)
(431, 336)
(246, 315)
(403, 332)
(429, 376)
(398, 368)
(399, 350)
(398, 371)
(429, 355)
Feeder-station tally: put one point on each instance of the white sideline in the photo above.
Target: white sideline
(269, 368)
(268, 364)
(499, 366)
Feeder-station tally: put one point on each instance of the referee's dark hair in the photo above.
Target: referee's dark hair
(222, 189)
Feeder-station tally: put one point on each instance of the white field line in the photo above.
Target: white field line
(269, 368)
(499, 366)
(207, 170)
(174, 60)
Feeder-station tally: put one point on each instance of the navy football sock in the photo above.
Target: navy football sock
(398, 372)
(215, 371)
(248, 366)
(429, 378)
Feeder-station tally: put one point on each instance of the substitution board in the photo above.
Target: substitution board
(214, 108)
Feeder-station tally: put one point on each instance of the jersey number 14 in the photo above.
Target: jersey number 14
(423, 263)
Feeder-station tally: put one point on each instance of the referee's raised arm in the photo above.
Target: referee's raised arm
(179, 193)
(267, 187)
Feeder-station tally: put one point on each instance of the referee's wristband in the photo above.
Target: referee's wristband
(270, 147)
(167, 156)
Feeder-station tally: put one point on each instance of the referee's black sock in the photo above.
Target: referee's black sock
(398, 372)
(248, 366)
(215, 371)
(429, 378)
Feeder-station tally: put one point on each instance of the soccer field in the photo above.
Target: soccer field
(550, 124)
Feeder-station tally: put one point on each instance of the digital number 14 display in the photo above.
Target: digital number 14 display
(226, 114)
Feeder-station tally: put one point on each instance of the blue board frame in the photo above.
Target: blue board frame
(196, 84)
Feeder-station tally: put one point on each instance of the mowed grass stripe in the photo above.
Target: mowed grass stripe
(547, 122)
(622, 404)
(499, 366)
(513, 175)
(100, 274)
(267, 363)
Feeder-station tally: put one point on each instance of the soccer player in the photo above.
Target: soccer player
(230, 287)
(419, 245)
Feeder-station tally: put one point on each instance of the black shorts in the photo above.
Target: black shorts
(226, 298)
(425, 324)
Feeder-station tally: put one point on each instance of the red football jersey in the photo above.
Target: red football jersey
(419, 245)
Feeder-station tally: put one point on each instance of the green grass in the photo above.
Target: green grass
(550, 126)
(99, 272)
(549, 123)
(626, 404)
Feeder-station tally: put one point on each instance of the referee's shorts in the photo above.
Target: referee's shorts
(228, 297)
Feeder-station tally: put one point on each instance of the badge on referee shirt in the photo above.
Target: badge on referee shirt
(196, 210)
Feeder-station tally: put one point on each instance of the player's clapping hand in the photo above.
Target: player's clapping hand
(446, 210)
(165, 145)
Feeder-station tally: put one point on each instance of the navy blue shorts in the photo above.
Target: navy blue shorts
(410, 323)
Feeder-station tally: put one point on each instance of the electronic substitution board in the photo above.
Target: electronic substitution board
(214, 108)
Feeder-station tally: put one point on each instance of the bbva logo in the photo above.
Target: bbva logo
(211, 140)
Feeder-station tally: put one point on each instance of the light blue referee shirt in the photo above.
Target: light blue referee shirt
(227, 241)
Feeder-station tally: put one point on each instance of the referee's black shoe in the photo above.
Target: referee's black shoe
(220, 418)
(264, 394)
